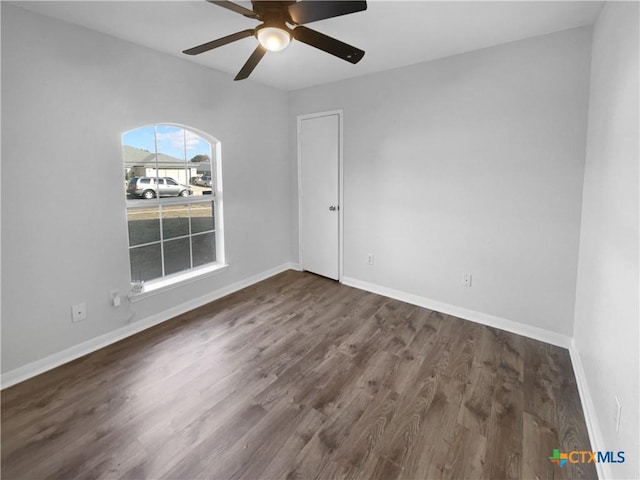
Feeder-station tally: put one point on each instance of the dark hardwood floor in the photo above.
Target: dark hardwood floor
(299, 377)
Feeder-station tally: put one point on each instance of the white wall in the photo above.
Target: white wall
(67, 96)
(607, 307)
(472, 163)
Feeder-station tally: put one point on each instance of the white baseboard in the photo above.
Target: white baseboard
(590, 417)
(52, 361)
(536, 333)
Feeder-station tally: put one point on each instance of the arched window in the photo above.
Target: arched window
(173, 190)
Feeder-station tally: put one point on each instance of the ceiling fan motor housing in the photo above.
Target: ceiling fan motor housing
(272, 12)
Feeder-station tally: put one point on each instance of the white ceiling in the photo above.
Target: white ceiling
(392, 33)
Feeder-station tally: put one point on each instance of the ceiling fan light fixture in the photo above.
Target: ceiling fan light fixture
(280, 23)
(274, 39)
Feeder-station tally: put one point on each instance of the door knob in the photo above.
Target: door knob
(333, 208)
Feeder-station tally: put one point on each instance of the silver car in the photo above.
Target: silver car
(150, 187)
(203, 181)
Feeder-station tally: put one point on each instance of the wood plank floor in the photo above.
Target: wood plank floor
(299, 377)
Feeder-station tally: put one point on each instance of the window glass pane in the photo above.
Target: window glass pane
(163, 161)
(202, 217)
(146, 262)
(172, 158)
(126, 178)
(144, 225)
(176, 256)
(199, 161)
(204, 248)
(139, 151)
(175, 221)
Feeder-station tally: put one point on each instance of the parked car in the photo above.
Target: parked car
(203, 181)
(150, 187)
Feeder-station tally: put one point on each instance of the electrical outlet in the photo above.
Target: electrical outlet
(618, 412)
(466, 279)
(79, 312)
(370, 258)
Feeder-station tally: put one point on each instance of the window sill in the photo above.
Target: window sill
(156, 287)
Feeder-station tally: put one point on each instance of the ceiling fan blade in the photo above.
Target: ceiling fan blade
(234, 7)
(328, 44)
(307, 11)
(205, 47)
(248, 67)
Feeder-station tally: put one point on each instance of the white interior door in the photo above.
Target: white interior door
(319, 193)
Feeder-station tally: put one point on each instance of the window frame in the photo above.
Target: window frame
(140, 290)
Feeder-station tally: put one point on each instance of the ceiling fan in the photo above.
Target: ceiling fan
(274, 33)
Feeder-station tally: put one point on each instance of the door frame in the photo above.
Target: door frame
(300, 118)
